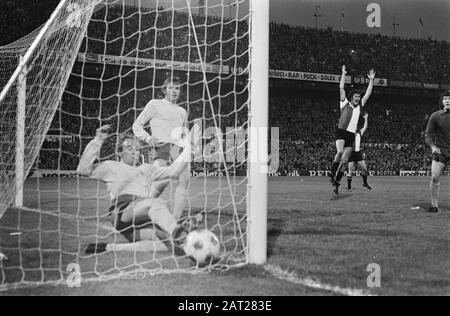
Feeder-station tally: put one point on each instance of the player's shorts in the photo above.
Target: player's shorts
(443, 157)
(356, 156)
(166, 152)
(120, 205)
(347, 136)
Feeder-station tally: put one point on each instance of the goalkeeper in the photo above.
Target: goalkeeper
(168, 123)
(134, 213)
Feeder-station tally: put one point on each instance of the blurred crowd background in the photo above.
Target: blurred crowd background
(99, 94)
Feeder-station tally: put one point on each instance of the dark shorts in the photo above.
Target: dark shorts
(122, 203)
(166, 152)
(347, 136)
(443, 157)
(357, 156)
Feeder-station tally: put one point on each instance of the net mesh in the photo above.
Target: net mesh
(100, 63)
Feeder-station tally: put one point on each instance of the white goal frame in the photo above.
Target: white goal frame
(258, 141)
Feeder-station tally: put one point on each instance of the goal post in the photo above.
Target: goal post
(258, 136)
(20, 142)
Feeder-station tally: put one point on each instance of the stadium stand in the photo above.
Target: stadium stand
(306, 123)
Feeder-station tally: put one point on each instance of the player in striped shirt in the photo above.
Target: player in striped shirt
(134, 213)
(357, 158)
(167, 123)
(438, 137)
(348, 124)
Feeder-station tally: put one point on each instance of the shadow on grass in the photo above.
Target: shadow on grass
(425, 206)
(276, 227)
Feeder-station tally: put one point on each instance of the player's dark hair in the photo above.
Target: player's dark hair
(352, 93)
(445, 94)
(123, 138)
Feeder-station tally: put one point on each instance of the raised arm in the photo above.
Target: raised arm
(430, 134)
(366, 124)
(371, 77)
(92, 152)
(141, 121)
(342, 84)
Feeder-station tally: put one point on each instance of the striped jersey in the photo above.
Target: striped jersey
(349, 116)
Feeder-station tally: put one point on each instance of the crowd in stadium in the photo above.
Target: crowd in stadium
(26, 20)
(316, 155)
(325, 50)
(304, 49)
(80, 117)
(167, 35)
(307, 123)
(307, 126)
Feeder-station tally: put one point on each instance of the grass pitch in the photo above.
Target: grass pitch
(322, 243)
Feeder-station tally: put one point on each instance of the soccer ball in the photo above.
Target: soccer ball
(202, 247)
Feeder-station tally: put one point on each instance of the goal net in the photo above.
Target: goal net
(97, 63)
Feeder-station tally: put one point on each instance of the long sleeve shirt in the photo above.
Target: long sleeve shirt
(122, 179)
(438, 129)
(167, 122)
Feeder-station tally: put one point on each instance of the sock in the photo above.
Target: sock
(180, 201)
(365, 180)
(349, 181)
(160, 215)
(339, 176)
(435, 191)
(334, 168)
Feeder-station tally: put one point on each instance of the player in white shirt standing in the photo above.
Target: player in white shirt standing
(135, 213)
(168, 122)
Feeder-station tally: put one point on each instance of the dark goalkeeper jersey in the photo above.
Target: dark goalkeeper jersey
(438, 130)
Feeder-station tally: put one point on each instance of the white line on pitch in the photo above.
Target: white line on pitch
(291, 277)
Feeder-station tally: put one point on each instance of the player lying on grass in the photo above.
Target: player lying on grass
(167, 121)
(438, 137)
(357, 158)
(134, 213)
(348, 124)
